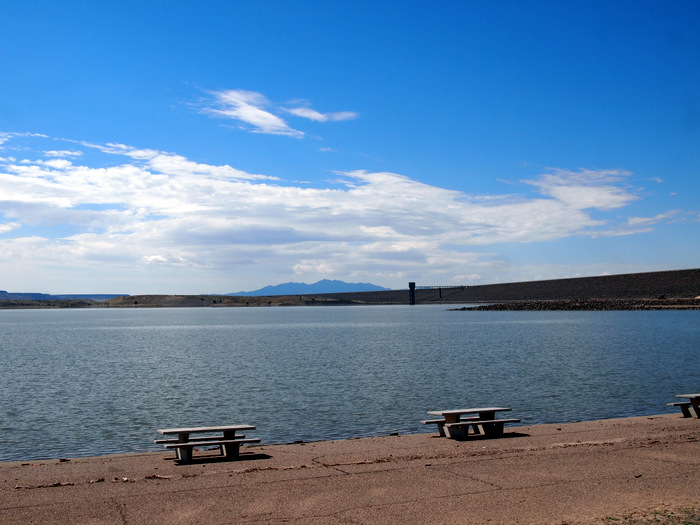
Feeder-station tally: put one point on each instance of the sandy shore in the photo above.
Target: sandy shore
(560, 473)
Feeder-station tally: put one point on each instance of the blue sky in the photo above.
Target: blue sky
(212, 147)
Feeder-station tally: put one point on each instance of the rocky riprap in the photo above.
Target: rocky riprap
(593, 304)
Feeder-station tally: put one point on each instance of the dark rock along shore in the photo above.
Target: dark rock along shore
(594, 304)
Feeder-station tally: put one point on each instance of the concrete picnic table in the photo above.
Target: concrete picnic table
(452, 425)
(453, 416)
(694, 408)
(228, 442)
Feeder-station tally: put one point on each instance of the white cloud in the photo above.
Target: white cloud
(188, 219)
(63, 153)
(5, 136)
(586, 189)
(648, 221)
(314, 115)
(254, 112)
(248, 108)
(8, 227)
(58, 164)
(177, 165)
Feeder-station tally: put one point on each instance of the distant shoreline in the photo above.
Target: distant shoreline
(674, 289)
(259, 302)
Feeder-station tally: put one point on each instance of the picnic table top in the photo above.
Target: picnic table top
(689, 396)
(467, 411)
(188, 430)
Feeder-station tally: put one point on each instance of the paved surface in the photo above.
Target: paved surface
(568, 473)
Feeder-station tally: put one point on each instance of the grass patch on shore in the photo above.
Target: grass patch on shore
(667, 517)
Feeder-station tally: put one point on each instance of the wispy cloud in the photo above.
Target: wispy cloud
(63, 153)
(584, 189)
(5, 136)
(635, 225)
(8, 226)
(250, 110)
(254, 112)
(159, 209)
(649, 221)
(312, 114)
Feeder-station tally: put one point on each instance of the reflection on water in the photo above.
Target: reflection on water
(84, 382)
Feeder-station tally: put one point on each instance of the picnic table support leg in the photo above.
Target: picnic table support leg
(231, 450)
(478, 430)
(694, 408)
(685, 409)
(447, 432)
(441, 428)
(457, 433)
(493, 429)
(482, 430)
(184, 454)
(461, 433)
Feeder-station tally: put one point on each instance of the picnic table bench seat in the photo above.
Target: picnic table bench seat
(433, 421)
(684, 405)
(441, 423)
(486, 427)
(210, 443)
(204, 438)
(230, 448)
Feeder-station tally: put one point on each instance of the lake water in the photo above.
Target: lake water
(99, 381)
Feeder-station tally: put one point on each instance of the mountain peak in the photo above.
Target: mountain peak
(322, 286)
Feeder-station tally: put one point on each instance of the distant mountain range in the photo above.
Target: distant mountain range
(666, 286)
(8, 296)
(320, 287)
(323, 286)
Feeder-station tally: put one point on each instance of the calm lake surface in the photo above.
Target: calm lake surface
(99, 381)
